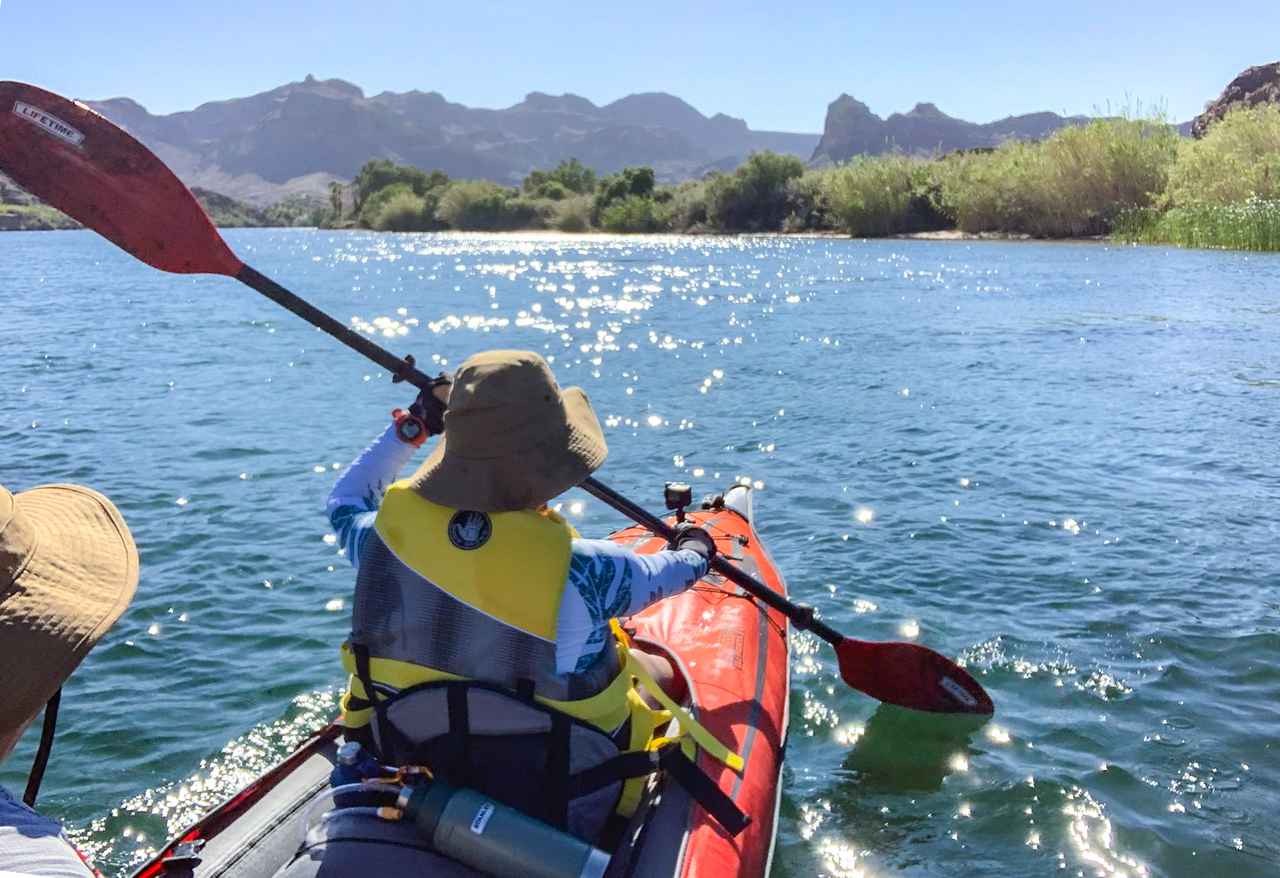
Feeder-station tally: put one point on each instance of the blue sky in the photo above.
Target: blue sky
(777, 65)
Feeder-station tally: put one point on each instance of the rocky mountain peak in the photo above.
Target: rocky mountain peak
(1256, 85)
(852, 129)
(928, 110)
(538, 101)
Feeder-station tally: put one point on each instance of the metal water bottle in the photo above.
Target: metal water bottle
(495, 839)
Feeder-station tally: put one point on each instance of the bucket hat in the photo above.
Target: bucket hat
(68, 569)
(513, 439)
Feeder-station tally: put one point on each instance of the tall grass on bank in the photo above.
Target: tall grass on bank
(1074, 183)
(883, 195)
(1224, 189)
(1253, 224)
(1238, 159)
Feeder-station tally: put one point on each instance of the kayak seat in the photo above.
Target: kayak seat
(350, 846)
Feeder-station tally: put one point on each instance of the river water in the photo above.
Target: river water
(1057, 463)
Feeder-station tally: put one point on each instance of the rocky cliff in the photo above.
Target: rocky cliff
(1257, 85)
(852, 129)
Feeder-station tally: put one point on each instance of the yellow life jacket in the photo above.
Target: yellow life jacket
(445, 595)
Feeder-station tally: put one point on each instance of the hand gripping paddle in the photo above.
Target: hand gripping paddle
(84, 165)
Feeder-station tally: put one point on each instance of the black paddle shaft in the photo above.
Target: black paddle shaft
(401, 368)
(800, 615)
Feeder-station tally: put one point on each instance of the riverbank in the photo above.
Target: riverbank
(1132, 180)
(33, 218)
(22, 212)
(1087, 182)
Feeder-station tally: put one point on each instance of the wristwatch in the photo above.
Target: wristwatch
(410, 429)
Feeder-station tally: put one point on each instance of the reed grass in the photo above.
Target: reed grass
(1074, 183)
(882, 195)
(1253, 224)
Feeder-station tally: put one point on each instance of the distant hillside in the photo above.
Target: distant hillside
(19, 210)
(299, 137)
(852, 129)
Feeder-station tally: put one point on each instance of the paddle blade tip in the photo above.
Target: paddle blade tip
(912, 676)
(78, 161)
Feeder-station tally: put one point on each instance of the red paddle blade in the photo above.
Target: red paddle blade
(84, 165)
(910, 675)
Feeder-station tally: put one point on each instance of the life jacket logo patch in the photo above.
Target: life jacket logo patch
(469, 530)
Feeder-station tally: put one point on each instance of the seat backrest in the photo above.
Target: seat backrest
(515, 750)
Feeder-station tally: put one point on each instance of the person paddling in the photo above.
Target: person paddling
(68, 570)
(465, 574)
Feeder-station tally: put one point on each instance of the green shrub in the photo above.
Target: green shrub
(475, 205)
(807, 203)
(377, 200)
(637, 181)
(570, 176)
(754, 197)
(573, 214)
(1238, 159)
(552, 190)
(521, 212)
(634, 213)
(682, 208)
(402, 212)
(380, 173)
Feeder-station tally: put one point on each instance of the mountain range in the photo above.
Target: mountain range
(298, 138)
(852, 129)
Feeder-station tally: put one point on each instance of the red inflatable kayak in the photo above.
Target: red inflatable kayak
(734, 654)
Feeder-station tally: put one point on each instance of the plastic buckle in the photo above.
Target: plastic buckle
(186, 854)
(406, 369)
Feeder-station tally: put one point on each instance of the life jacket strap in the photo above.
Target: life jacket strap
(460, 729)
(688, 725)
(557, 774)
(704, 790)
(361, 654)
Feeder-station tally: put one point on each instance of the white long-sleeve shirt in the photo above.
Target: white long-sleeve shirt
(32, 844)
(605, 579)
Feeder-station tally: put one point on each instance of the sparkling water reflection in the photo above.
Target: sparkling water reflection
(1056, 463)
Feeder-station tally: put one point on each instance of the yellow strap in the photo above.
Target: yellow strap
(688, 725)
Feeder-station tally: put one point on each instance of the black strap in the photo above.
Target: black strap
(360, 653)
(525, 689)
(460, 732)
(557, 775)
(42, 752)
(637, 763)
(704, 790)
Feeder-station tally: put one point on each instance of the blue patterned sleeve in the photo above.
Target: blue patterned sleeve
(354, 500)
(608, 580)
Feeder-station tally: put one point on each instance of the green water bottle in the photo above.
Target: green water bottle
(495, 839)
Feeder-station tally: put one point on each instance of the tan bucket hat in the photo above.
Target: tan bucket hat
(512, 438)
(68, 569)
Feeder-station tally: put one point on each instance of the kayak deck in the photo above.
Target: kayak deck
(734, 655)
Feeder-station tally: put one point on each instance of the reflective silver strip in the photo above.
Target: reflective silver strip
(400, 614)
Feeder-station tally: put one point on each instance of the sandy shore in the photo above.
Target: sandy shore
(957, 235)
